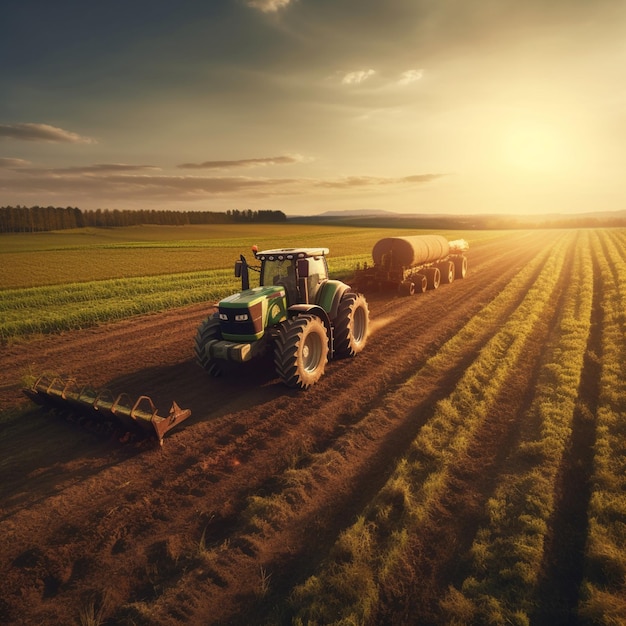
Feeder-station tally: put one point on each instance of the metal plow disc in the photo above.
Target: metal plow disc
(104, 409)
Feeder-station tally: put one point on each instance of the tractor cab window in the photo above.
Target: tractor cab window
(281, 273)
(318, 273)
(275, 271)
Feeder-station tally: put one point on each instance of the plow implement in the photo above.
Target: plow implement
(105, 411)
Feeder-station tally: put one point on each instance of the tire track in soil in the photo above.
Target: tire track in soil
(438, 556)
(144, 340)
(563, 564)
(341, 381)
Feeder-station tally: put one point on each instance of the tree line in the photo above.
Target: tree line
(37, 219)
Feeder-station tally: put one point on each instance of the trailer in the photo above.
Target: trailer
(412, 264)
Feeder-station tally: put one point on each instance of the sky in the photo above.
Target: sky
(309, 106)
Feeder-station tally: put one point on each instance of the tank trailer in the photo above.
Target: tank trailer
(413, 264)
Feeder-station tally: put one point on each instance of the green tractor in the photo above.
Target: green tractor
(296, 311)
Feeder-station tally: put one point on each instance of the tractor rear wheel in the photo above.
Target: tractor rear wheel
(301, 351)
(208, 330)
(351, 325)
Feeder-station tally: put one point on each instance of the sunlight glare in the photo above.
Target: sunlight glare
(536, 146)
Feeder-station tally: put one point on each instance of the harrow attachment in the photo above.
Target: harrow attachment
(105, 410)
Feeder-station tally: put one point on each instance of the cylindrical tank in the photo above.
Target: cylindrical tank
(410, 251)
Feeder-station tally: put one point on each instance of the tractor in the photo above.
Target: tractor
(297, 312)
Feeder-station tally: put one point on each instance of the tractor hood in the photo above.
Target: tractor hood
(245, 315)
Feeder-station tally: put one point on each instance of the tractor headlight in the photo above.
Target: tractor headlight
(242, 317)
(223, 316)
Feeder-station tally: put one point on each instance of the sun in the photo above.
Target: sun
(533, 145)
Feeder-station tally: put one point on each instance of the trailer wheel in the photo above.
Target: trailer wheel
(433, 277)
(460, 266)
(301, 351)
(351, 325)
(208, 330)
(420, 282)
(447, 270)
(406, 288)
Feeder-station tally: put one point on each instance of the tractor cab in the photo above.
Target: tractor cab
(301, 271)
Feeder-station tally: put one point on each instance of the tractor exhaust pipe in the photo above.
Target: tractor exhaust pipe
(241, 271)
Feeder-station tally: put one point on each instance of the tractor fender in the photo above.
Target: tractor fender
(330, 295)
(314, 309)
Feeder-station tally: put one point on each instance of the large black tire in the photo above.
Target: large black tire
(301, 351)
(406, 288)
(433, 277)
(447, 269)
(460, 266)
(351, 325)
(420, 282)
(208, 330)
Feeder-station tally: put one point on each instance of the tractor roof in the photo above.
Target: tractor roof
(290, 253)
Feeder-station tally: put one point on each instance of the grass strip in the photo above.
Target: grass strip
(604, 588)
(71, 306)
(54, 309)
(507, 554)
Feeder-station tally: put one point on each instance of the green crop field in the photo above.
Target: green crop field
(66, 280)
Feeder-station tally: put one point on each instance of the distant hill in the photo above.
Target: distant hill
(389, 219)
(359, 213)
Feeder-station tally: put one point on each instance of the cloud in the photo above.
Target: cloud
(11, 163)
(410, 76)
(356, 78)
(371, 181)
(269, 6)
(41, 132)
(360, 76)
(123, 183)
(222, 165)
(102, 168)
(420, 178)
(81, 182)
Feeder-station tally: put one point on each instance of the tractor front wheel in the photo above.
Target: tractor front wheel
(208, 330)
(301, 351)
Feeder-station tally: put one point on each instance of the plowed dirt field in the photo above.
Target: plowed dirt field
(139, 534)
